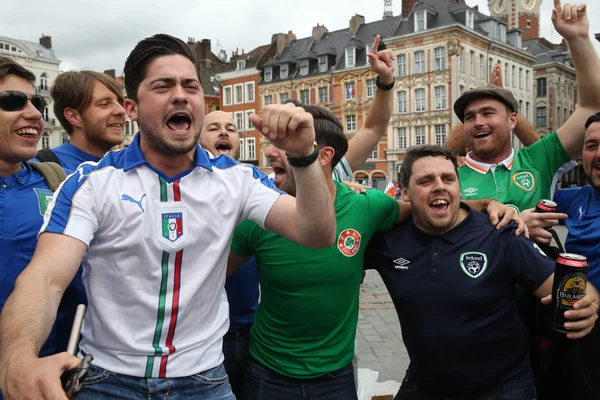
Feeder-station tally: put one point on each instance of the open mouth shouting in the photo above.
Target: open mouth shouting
(279, 172)
(439, 206)
(224, 147)
(180, 122)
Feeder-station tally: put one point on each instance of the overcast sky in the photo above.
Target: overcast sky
(100, 34)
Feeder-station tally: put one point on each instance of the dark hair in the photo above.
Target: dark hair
(592, 119)
(148, 50)
(9, 67)
(75, 89)
(329, 131)
(415, 153)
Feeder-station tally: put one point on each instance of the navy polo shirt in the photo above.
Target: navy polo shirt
(71, 157)
(455, 299)
(583, 207)
(24, 197)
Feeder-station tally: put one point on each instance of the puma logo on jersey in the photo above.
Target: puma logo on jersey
(126, 197)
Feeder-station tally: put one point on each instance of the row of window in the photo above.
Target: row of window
(420, 100)
(420, 62)
(242, 120)
(405, 140)
(510, 78)
(247, 148)
(238, 94)
(541, 114)
(567, 89)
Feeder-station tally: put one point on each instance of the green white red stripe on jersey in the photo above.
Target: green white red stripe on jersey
(168, 296)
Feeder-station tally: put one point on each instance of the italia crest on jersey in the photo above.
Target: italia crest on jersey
(172, 226)
(473, 263)
(349, 242)
(44, 198)
(524, 180)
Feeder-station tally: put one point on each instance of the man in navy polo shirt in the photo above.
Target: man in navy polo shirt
(452, 276)
(24, 193)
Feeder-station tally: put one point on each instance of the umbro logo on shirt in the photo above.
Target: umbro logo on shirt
(401, 263)
(470, 191)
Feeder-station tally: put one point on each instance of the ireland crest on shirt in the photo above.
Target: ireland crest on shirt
(44, 198)
(473, 263)
(172, 226)
(524, 180)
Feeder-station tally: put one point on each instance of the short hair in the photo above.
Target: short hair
(329, 131)
(10, 67)
(415, 153)
(75, 89)
(148, 50)
(592, 119)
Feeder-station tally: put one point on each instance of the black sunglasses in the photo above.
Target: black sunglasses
(13, 100)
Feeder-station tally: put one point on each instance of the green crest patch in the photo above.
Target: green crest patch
(44, 198)
(524, 180)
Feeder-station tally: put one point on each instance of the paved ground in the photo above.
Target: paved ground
(379, 339)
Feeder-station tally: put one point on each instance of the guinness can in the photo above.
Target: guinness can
(570, 280)
(546, 206)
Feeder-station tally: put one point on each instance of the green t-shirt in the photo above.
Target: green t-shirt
(527, 181)
(305, 323)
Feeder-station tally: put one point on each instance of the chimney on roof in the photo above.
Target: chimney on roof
(110, 72)
(355, 22)
(279, 40)
(387, 9)
(191, 41)
(290, 38)
(318, 32)
(203, 50)
(46, 41)
(407, 7)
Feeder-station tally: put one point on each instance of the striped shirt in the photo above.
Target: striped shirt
(157, 252)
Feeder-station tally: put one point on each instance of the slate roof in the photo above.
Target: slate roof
(546, 52)
(252, 58)
(32, 49)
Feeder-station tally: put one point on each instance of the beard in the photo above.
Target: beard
(96, 135)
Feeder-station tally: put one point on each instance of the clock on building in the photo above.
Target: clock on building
(529, 4)
(499, 6)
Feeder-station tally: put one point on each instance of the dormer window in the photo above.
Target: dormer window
(500, 33)
(283, 71)
(350, 57)
(268, 74)
(322, 63)
(241, 64)
(304, 67)
(420, 21)
(469, 19)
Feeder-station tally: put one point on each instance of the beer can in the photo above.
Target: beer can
(545, 206)
(570, 280)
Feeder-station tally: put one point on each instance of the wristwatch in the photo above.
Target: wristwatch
(305, 161)
(381, 86)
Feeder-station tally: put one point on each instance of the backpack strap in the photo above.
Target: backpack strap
(52, 173)
(47, 155)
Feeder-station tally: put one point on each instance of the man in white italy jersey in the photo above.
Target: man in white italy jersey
(154, 222)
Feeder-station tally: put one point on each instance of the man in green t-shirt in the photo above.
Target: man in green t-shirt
(493, 168)
(305, 324)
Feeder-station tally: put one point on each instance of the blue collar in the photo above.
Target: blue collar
(23, 176)
(134, 156)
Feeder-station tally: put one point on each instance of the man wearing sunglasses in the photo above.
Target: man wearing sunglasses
(89, 105)
(24, 193)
